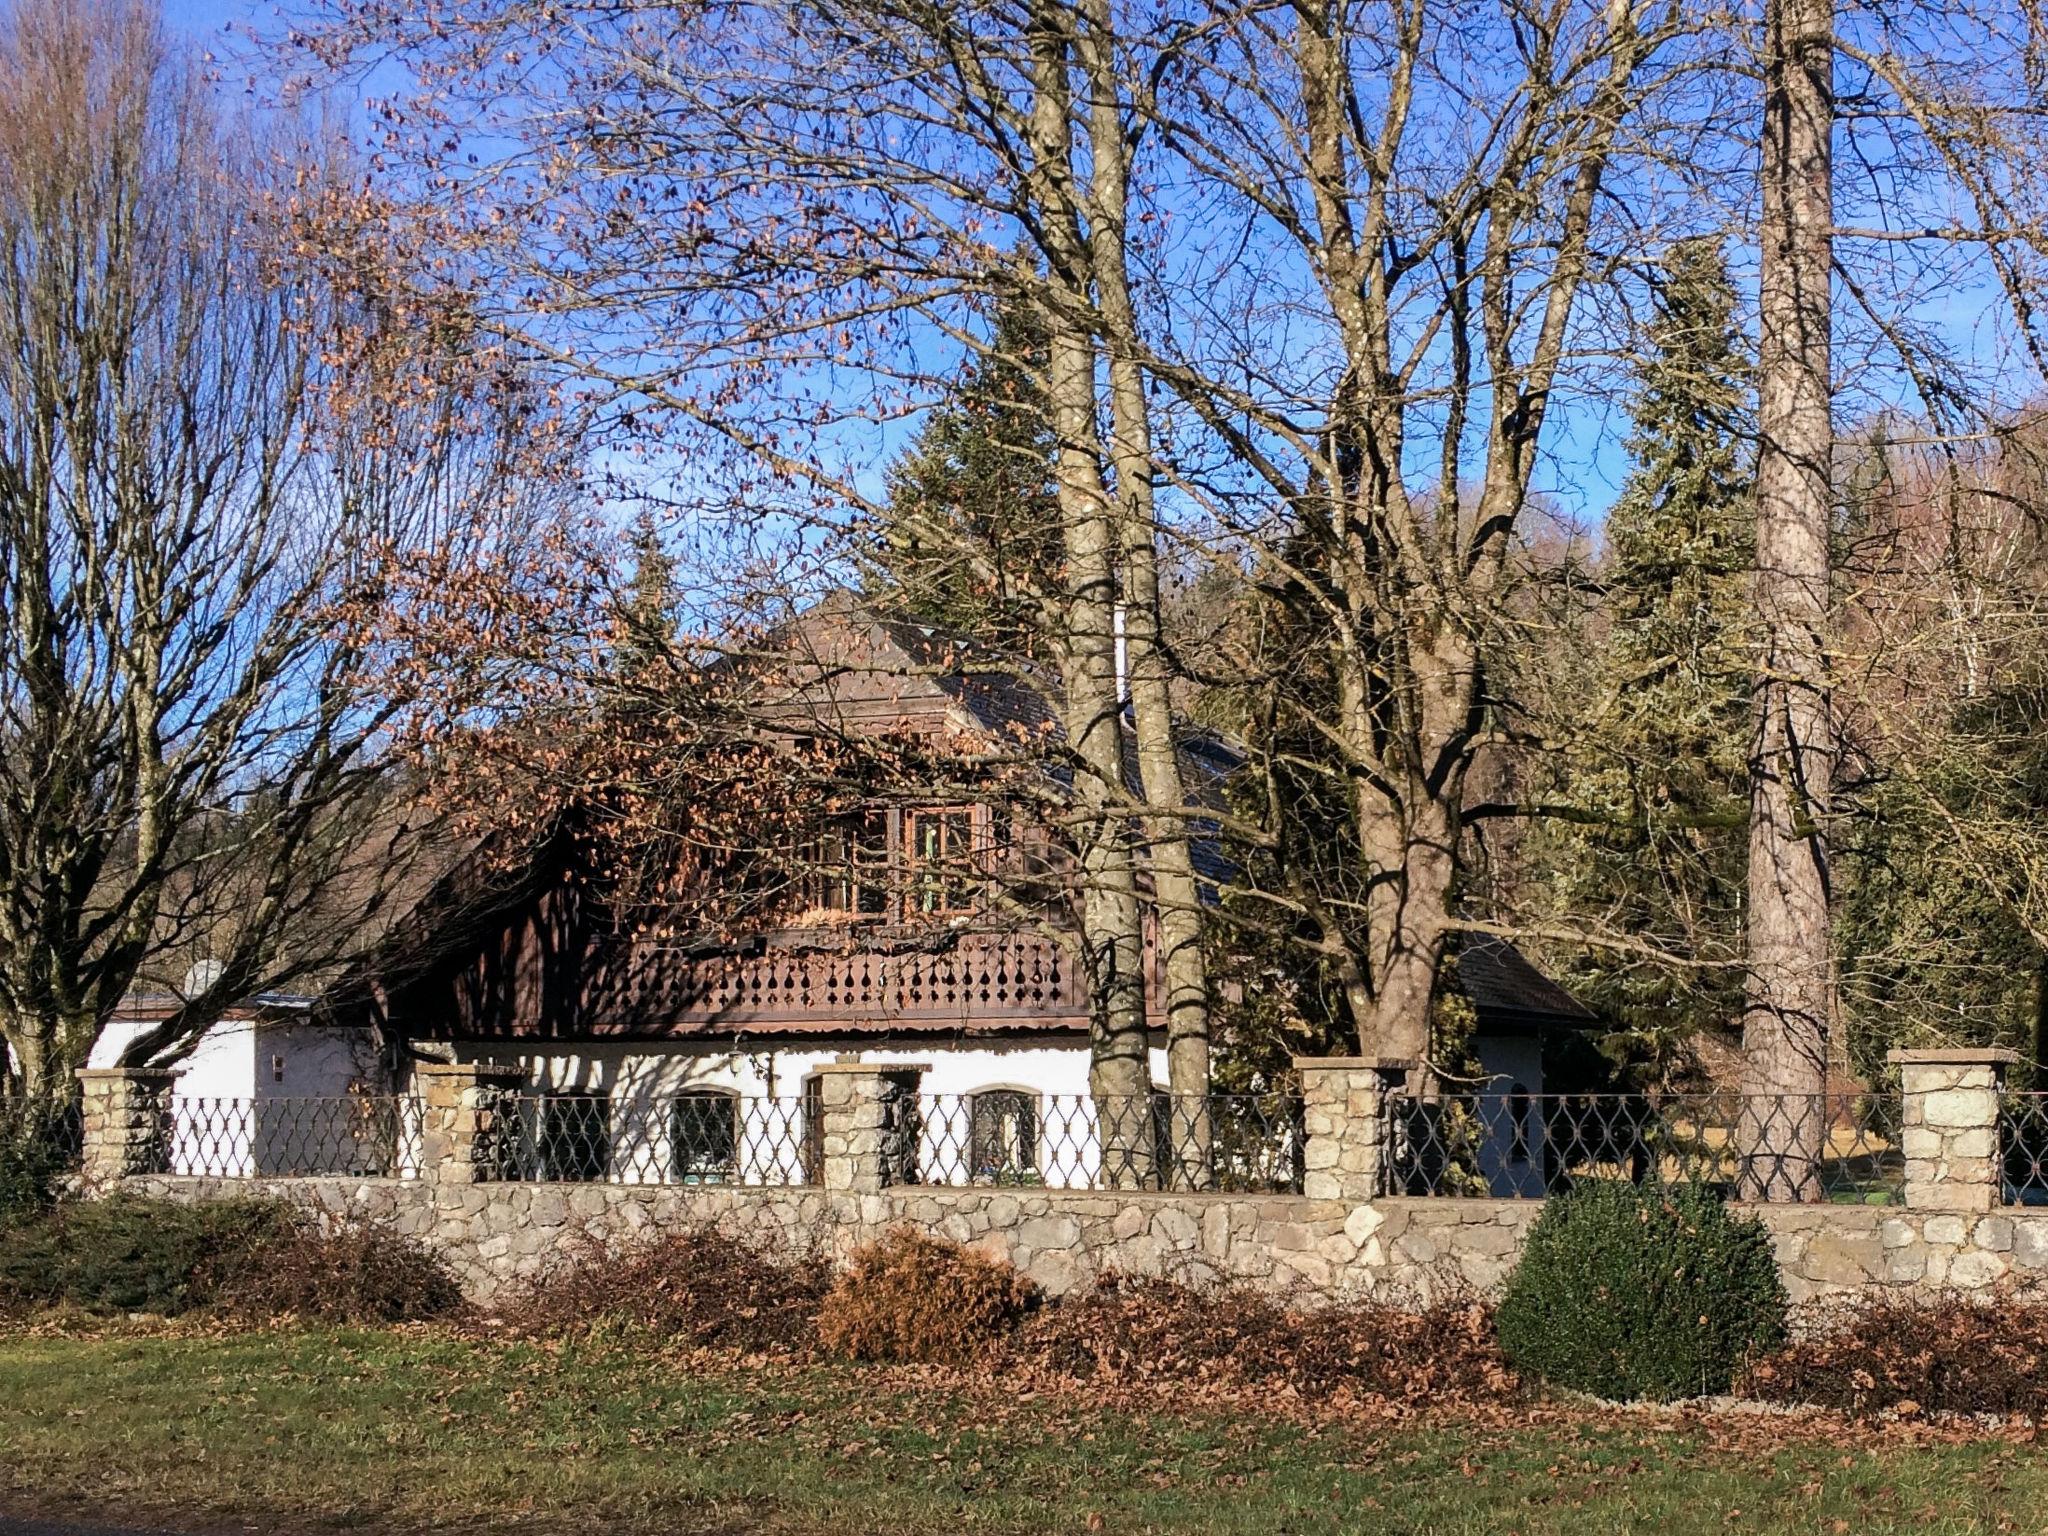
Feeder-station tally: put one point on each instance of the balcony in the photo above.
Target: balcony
(984, 979)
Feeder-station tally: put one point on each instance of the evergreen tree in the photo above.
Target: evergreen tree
(1655, 760)
(970, 530)
(649, 617)
(1943, 903)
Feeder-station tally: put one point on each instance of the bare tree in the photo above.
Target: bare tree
(211, 458)
(1426, 252)
(1325, 287)
(1791, 963)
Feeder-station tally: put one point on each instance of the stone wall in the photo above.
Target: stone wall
(1337, 1240)
(494, 1235)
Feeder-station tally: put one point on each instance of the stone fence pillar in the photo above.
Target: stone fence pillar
(869, 1130)
(1342, 1100)
(466, 1119)
(1950, 1125)
(125, 1118)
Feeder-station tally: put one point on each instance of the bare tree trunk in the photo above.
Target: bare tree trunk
(1409, 907)
(1791, 989)
(1176, 896)
(1119, 1071)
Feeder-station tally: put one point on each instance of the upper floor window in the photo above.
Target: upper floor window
(922, 861)
(942, 860)
(853, 865)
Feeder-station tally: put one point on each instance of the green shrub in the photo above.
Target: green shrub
(34, 1153)
(250, 1259)
(1626, 1292)
(912, 1297)
(126, 1254)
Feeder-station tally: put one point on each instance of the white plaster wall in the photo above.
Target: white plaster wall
(642, 1079)
(323, 1104)
(221, 1064)
(212, 1119)
(295, 1060)
(272, 1096)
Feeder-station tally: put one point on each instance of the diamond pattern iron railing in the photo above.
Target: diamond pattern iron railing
(1003, 1136)
(1837, 1148)
(2023, 1147)
(687, 1138)
(58, 1134)
(363, 1135)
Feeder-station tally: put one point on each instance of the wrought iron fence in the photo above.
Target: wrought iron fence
(684, 1138)
(363, 1135)
(2023, 1147)
(1007, 1136)
(56, 1135)
(1839, 1148)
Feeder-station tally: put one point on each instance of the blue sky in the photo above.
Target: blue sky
(1586, 462)
(205, 16)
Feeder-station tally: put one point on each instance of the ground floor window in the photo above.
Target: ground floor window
(704, 1137)
(574, 1137)
(1003, 1136)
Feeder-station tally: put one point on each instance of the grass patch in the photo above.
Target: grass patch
(420, 1429)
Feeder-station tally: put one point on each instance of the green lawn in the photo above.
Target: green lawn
(413, 1431)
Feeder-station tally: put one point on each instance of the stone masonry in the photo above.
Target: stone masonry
(1310, 1250)
(464, 1116)
(123, 1111)
(1341, 1101)
(1342, 1239)
(856, 1102)
(1951, 1127)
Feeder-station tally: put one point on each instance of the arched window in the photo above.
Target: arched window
(1003, 1136)
(704, 1136)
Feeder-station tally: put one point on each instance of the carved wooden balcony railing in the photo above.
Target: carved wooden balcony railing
(982, 978)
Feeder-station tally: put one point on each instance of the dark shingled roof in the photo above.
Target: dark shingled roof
(1001, 694)
(1011, 701)
(1507, 990)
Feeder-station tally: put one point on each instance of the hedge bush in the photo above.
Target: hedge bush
(1628, 1292)
(915, 1298)
(244, 1258)
(34, 1153)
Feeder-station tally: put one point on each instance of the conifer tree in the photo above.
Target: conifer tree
(649, 616)
(1656, 758)
(971, 527)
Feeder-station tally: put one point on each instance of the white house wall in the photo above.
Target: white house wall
(642, 1081)
(212, 1123)
(269, 1096)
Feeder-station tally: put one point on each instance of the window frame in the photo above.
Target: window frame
(591, 1156)
(849, 846)
(681, 1165)
(954, 877)
(1030, 1129)
(1521, 1109)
